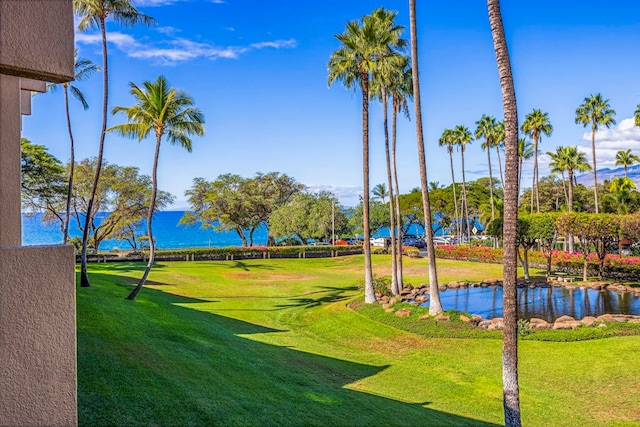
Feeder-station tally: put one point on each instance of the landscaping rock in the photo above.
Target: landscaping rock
(498, 322)
(385, 305)
(453, 285)
(421, 298)
(566, 324)
(443, 318)
(384, 299)
(589, 321)
(424, 317)
(536, 323)
(390, 310)
(393, 300)
(464, 318)
(485, 324)
(563, 319)
(403, 313)
(476, 319)
(605, 318)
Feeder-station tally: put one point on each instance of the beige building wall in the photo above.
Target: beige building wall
(37, 284)
(36, 39)
(37, 336)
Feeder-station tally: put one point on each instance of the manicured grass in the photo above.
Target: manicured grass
(272, 342)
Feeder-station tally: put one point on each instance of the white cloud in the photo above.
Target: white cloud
(608, 142)
(349, 195)
(174, 50)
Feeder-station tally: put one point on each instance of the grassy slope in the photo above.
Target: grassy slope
(272, 342)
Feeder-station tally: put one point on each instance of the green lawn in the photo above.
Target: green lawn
(272, 342)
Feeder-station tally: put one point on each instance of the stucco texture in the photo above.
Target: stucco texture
(37, 336)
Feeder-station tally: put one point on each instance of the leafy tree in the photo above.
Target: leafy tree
(94, 14)
(511, 388)
(378, 216)
(43, 182)
(121, 200)
(84, 68)
(363, 44)
(625, 158)
(595, 111)
(232, 202)
(170, 114)
(308, 216)
(535, 125)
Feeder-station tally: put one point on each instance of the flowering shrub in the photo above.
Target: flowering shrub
(614, 266)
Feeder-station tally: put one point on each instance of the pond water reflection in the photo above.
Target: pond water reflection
(546, 303)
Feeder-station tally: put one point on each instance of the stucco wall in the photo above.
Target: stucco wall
(37, 336)
(36, 39)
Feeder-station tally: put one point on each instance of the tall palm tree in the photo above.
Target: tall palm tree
(636, 116)
(535, 125)
(362, 43)
(498, 139)
(448, 140)
(83, 69)
(387, 67)
(556, 167)
(525, 152)
(486, 127)
(435, 306)
(94, 14)
(170, 114)
(626, 159)
(595, 111)
(571, 160)
(400, 89)
(511, 387)
(380, 191)
(463, 137)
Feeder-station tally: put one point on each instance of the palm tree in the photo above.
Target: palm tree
(448, 140)
(363, 42)
(535, 125)
(595, 111)
(622, 187)
(571, 160)
(83, 69)
(486, 127)
(400, 89)
(498, 142)
(380, 191)
(435, 306)
(170, 114)
(511, 387)
(462, 137)
(636, 116)
(556, 167)
(525, 152)
(94, 13)
(625, 158)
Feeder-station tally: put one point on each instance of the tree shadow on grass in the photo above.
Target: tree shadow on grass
(334, 294)
(161, 361)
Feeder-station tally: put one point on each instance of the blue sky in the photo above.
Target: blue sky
(258, 71)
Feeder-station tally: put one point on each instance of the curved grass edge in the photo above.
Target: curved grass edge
(455, 328)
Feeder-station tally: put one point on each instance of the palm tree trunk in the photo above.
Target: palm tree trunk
(570, 173)
(465, 206)
(394, 120)
(564, 189)
(453, 184)
(537, 180)
(493, 209)
(84, 276)
(392, 222)
(152, 208)
(511, 387)
(435, 306)
(534, 189)
(595, 173)
(72, 160)
(369, 292)
(500, 166)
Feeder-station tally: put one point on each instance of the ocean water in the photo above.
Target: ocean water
(167, 232)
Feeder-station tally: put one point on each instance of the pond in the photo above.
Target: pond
(548, 303)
